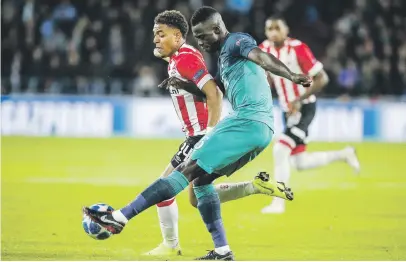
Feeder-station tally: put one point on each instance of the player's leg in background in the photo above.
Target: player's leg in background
(290, 150)
(292, 137)
(168, 212)
(302, 160)
(168, 215)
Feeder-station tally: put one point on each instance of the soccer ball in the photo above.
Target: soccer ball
(93, 229)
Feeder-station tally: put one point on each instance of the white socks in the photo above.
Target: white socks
(222, 250)
(118, 216)
(232, 191)
(305, 160)
(281, 155)
(168, 219)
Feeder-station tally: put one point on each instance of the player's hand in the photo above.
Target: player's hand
(182, 84)
(156, 53)
(303, 80)
(172, 81)
(294, 107)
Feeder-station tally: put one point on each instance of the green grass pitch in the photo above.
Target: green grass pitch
(335, 215)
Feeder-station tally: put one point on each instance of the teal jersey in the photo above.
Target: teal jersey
(245, 82)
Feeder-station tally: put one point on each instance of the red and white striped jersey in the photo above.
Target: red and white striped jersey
(298, 57)
(187, 64)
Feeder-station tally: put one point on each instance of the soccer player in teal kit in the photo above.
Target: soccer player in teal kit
(233, 142)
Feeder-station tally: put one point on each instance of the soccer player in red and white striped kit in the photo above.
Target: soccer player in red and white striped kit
(197, 115)
(299, 106)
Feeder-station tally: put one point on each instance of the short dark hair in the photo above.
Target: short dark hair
(174, 19)
(277, 17)
(202, 14)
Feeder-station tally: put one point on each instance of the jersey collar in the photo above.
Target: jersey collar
(225, 40)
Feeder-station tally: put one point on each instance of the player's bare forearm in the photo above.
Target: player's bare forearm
(319, 82)
(214, 109)
(220, 84)
(270, 63)
(214, 98)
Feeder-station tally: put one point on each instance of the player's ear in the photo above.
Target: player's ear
(178, 36)
(216, 29)
(285, 28)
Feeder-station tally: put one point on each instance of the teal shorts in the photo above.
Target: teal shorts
(231, 144)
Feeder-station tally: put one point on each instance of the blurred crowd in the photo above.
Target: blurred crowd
(105, 46)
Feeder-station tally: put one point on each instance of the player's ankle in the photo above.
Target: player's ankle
(222, 250)
(251, 189)
(171, 243)
(118, 216)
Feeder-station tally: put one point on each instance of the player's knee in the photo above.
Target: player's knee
(281, 150)
(193, 201)
(203, 180)
(297, 161)
(191, 170)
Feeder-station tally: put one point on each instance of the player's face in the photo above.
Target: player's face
(166, 39)
(276, 30)
(207, 36)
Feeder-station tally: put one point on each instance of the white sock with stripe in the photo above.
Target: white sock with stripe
(232, 191)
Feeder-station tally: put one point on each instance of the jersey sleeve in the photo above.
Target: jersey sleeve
(193, 69)
(241, 44)
(308, 63)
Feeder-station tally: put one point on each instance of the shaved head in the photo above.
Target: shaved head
(208, 28)
(202, 14)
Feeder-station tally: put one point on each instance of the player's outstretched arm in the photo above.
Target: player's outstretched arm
(319, 81)
(275, 66)
(214, 98)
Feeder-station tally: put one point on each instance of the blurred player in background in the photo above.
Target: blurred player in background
(233, 142)
(198, 112)
(299, 106)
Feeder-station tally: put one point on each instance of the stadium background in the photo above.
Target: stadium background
(83, 122)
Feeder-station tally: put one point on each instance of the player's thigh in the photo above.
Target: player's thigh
(308, 112)
(184, 151)
(297, 126)
(231, 139)
(242, 161)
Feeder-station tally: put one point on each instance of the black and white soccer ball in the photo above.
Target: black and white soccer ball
(93, 229)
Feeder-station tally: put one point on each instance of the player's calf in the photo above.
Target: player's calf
(192, 196)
